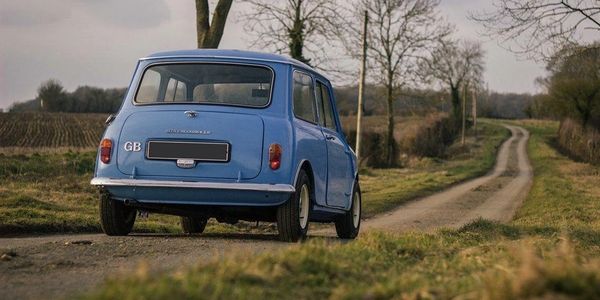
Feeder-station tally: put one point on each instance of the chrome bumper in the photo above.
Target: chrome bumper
(274, 188)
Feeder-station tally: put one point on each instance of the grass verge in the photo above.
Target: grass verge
(49, 192)
(551, 250)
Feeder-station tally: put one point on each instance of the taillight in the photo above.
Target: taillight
(275, 156)
(105, 150)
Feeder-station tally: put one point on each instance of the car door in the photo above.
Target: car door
(310, 140)
(339, 163)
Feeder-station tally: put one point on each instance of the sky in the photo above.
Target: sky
(97, 43)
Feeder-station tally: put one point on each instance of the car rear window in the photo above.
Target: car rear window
(226, 84)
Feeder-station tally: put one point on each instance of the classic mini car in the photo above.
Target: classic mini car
(231, 135)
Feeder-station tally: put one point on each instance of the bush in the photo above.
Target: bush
(579, 142)
(372, 149)
(431, 138)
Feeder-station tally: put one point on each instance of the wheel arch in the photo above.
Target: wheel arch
(307, 167)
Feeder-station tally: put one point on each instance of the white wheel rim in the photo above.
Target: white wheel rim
(303, 206)
(356, 209)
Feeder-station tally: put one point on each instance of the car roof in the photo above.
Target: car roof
(231, 54)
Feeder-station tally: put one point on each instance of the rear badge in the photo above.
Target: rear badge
(186, 163)
(132, 146)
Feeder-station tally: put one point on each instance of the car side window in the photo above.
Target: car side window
(148, 91)
(304, 97)
(320, 105)
(327, 115)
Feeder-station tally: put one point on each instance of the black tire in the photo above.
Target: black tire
(193, 225)
(288, 214)
(344, 225)
(116, 219)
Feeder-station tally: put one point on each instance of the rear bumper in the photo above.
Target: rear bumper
(256, 187)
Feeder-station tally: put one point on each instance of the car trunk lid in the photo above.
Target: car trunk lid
(194, 144)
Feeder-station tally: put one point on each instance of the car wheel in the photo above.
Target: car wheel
(115, 217)
(348, 225)
(293, 216)
(191, 225)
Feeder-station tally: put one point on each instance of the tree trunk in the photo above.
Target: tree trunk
(390, 142)
(456, 104)
(474, 112)
(463, 129)
(209, 34)
(296, 35)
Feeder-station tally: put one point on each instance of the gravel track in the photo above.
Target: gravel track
(496, 196)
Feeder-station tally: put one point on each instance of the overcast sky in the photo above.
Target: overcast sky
(87, 42)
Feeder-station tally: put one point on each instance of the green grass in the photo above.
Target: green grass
(551, 250)
(385, 189)
(50, 192)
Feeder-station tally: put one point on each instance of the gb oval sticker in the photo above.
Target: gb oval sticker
(132, 146)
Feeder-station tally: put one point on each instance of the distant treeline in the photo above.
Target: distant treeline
(411, 102)
(505, 105)
(408, 102)
(85, 99)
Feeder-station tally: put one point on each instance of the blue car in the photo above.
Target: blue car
(231, 135)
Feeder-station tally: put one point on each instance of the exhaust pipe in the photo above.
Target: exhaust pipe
(130, 202)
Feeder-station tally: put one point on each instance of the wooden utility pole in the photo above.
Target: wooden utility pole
(464, 115)
(361, 86)
(474, 112)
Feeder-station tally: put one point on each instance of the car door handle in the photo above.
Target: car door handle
(330, 137)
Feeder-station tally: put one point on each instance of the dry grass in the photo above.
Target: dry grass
(550, 251)
(402, 126)
(580, 143)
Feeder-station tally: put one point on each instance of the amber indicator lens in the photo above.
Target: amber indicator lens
(275, 156)
(105, 150)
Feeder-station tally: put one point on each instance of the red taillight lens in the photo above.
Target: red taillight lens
(275, 156)
(105, 150)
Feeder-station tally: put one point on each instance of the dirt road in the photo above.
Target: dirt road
(58, 266)
(495, 196)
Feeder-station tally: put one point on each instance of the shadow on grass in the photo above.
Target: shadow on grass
(233, 236)
(482, 230)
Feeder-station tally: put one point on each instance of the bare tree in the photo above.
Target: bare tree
(538, 28)
(297, 27)
(456, 64)
(400, 36)
(209, 32)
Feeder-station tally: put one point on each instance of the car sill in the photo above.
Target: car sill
(273, 188)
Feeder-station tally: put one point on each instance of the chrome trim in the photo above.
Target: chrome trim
(229, 57)
(275, 188)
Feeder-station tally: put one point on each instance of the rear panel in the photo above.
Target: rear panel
(242, 135)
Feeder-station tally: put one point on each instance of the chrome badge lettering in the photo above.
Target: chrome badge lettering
(189, 131)
(133, 146)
